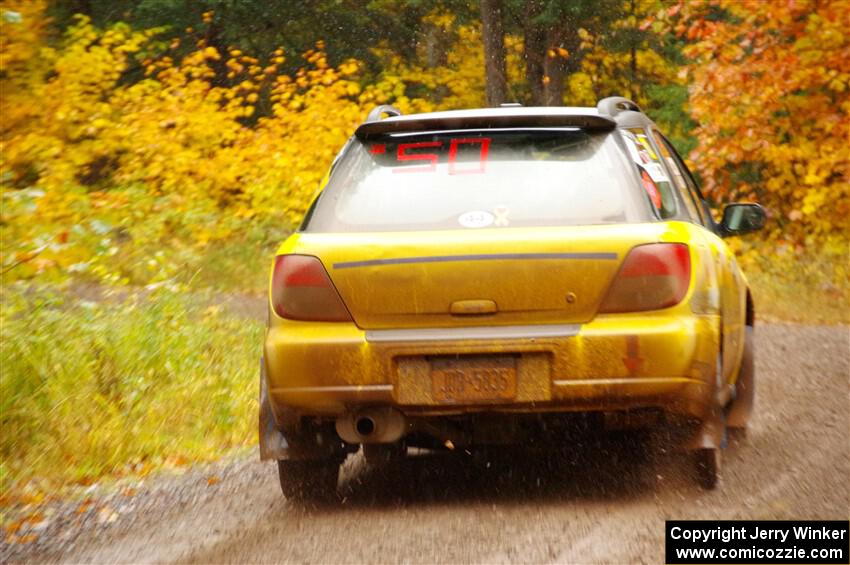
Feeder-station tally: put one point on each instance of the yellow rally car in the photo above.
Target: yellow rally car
(472, 277)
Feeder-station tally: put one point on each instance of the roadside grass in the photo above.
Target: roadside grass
(798, 284)
(236, 264)
(110, 388)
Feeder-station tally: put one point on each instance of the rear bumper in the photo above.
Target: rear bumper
(660, 360)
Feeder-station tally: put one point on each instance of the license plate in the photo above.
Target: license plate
(473, 379)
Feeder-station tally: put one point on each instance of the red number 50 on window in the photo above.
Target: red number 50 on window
(432, 158)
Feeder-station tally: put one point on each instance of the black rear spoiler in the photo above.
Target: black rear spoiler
(462, 120)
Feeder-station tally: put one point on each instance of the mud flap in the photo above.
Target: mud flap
(273, 446)
(742, 407)
(286, 441)
(711, 432)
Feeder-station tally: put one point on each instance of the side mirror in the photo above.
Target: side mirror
(739, 219)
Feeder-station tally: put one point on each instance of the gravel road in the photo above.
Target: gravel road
(603, 501)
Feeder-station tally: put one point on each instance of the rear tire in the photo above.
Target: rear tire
(304, 481)
(740, 409)
(707, 464)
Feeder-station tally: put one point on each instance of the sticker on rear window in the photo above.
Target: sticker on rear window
(651, 190)
(501, 215)
(476, 219)
(656, 172)
(647, 146)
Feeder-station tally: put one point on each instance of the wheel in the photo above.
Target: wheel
(308, 480)
(741, 408)
(707, 463)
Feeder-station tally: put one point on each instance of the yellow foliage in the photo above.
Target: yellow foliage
(24, 26)
(23, 59)
(89, 163)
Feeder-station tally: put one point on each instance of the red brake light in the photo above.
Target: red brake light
(302, 290)
(652, 277)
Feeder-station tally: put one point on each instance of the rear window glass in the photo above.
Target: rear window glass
(478, 179)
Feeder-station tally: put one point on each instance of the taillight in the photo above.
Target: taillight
(302, 290)
(652, 277)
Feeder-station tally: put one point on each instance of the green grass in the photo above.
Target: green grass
(94, 389)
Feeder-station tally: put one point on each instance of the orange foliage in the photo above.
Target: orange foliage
(771, 93)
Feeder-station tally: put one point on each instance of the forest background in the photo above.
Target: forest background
(154, 152)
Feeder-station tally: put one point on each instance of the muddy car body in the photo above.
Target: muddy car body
(466, 278)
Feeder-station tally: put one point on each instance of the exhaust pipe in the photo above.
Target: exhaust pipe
(365, 426)
(372, 425)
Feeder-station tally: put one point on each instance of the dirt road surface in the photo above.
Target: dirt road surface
(602, 501)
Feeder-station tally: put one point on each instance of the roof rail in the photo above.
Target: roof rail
(613, 105)
(378, 112)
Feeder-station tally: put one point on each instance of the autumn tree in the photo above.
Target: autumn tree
(771, 93)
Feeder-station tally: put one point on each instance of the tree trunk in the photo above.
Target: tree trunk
(563, 35)
(535, 51)
(553, 88)
(494, 52)
(436, 41)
